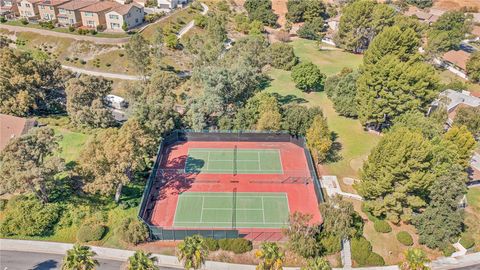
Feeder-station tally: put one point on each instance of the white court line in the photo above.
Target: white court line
(201, 213)
(229, 222)
(276, 196)
(208, 160)
(263, 211)
(231, 209)
(259, 161)
(280, 160)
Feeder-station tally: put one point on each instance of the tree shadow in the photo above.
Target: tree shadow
(46, 265)
(289, 99)
(333, 154)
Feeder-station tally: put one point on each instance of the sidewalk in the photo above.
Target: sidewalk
(330, 183)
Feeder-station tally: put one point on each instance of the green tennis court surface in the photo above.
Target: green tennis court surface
(229, 210)
(230, 160)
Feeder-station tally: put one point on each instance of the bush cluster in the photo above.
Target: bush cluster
(3, 204)
(467, 241)
(48, 24)
(362, 253)
(405, 238)
(236, 245)
(212, 244)
(332, 243)
(132, 231)
(282, 56)
(3, 19)
(448, 250)
(90, 232)
(382, 226)
(29, 217)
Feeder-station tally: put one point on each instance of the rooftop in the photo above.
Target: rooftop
(53, 2)
(13, 127)
(100, 6)
(77, 4)
(459, 98)
(458, 58)
(124, 9)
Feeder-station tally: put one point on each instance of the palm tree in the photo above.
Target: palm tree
(142, 261)
(415, 260)
(271, 257)
(192, 252)
(79, 258)
(318, 263)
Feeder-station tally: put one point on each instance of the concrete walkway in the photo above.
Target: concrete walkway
(103, 74)
(461, 250)
(472, 260)
(330, 183)
(191, 24)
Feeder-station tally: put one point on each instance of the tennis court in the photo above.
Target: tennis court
(233, 161)
(231, 210)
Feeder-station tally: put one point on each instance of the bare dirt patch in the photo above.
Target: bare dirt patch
(280, 8)
(456, 4)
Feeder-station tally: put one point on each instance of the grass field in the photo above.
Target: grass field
(241, 161)
(355, 143)
(473, 215)
(227, 210)
(71, 143)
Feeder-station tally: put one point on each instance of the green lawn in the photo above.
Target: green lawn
(354, 141)
(71, 143)
(176, 20)
(472, 215)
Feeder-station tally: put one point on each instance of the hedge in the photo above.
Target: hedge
(332, 243)
(448, 250)
(132, 231)
(405, 238)
(362, 253)
(382, 226)
(467, 241)
(88, 233)
(212, 244)
(237, 245)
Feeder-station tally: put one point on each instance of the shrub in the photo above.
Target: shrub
(382, 226)
(448, 250)
(3, 204)
(28, 217)
(282, 56)
(23, 21)
(362, 253)
(2, 19)
(467, 241)
(100, 27)
(237, 245)
(71, 28)
(331, 243)
(374, 259)
(307, 77)
(132, 231)
(88, 233)
(172, 41)
(405, 238)
(212, 244)
(92, 32)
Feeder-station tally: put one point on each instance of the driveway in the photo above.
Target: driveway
(16, 260)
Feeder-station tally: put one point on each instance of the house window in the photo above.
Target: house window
(114, 25)
(72, 21)
(91, 23)
(61, 11)
(136, 20)
(88, 14)
(51, 8)
(27, 5)
(42, 7)
(113, 17)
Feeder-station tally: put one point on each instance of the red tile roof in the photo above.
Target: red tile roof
(458, 58)
(13, 127)
(100, 6)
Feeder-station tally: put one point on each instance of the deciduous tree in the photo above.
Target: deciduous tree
(297, 118)
(447, 32)
(319, 138)
(338, 217)
(473, 67)
(29, 86)
(138, 51)
(86, 103)
(313, 29)
(29, 163)
(308, 77)
(464, 142)
(282, 56)
(261, 10)
(469, 117)
(342, 91)
(303, 236)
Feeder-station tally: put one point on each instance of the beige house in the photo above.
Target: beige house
(8, 8)
(130, 14)
(69, 13)
(28, 8)
(48, 9)
(94, 15)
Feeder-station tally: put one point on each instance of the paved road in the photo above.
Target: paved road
(13, 260)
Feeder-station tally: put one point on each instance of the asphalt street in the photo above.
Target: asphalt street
(14, 260)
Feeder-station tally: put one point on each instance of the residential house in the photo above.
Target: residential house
(8, 8)
(28, 8)
(12, 127)
(453, 100)
(48, 9)
(69, 13)
(456, 62)
(168, 4)
(130, 14)
(94, 15)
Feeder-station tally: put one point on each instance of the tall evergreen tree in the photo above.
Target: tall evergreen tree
(396, 178)
(361, 21)
(192, 252)
(441, 222)
(447, 32)
(392, 87)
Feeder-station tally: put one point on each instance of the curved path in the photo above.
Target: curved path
(103, 74)
(191, 24)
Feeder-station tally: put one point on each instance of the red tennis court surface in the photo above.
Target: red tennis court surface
(171, 180)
